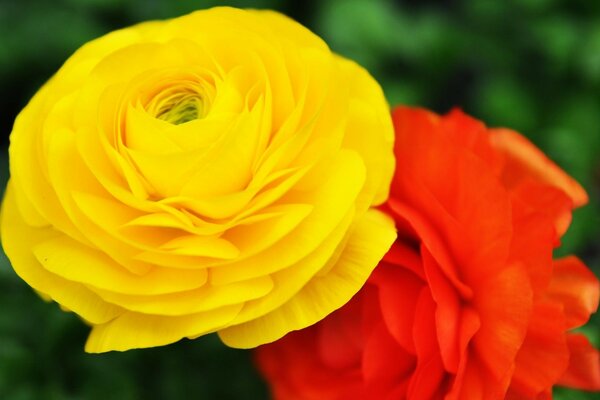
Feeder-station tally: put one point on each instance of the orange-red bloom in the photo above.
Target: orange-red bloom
(468, 303)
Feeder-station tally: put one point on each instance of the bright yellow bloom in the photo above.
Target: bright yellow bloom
(210, 173)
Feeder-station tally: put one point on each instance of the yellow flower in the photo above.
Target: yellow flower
(209, 173)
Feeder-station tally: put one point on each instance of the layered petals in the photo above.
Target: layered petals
(210, 173)
(468, 303)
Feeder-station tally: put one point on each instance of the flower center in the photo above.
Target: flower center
(177, 106)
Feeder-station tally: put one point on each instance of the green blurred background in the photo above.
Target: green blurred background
(532, 65)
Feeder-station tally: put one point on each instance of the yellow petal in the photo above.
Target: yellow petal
(331, 201)
(254, 238)
(34, 193)
(147, 134)
(76, 262)
(290, 281)
(227, 168)
(133, 330)
(201, 299)
(17, 241)
(369, 240)
(369, 113)
(203, 246)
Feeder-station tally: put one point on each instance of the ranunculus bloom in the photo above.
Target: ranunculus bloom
(213, 172)
(468, 304)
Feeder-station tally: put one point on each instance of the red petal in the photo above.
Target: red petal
(471, 134)
(429, 375)
(584, 366)
(398, 293)
(433, 240)
(470, 383)
(403, 255)
(532, 245)
(455, 193)
(469, 326)
(412, 123)
(504, 304)
(340, 339)
(385, 364)
(294, 371)
(448, 312)
(525, 160)
(552, 202)
(544, 355)
(514, 395)
(577, 288)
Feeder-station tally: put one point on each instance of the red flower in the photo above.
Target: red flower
(468, 303)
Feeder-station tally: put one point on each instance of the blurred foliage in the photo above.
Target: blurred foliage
(532, 65)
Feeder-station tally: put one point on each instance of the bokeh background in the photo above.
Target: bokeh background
(532, 65)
